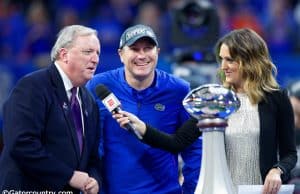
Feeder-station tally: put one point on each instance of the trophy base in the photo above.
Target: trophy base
(214, 177)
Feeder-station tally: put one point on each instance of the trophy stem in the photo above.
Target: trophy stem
(214, 175)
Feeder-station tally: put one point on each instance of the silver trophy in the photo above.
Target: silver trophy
(212, 104)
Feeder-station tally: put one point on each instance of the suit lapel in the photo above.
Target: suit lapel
(65, 106)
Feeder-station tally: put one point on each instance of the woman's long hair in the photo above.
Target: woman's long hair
(255, 65)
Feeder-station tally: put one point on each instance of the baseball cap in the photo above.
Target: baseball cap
(133, 33)
(294, 89)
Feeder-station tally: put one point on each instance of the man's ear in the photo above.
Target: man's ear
(158, 50)
(63, 54)
(120, 55)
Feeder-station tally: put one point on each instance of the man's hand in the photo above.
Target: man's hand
(92, 186)
(79, 180)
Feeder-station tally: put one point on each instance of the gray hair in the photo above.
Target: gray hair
(66, 37)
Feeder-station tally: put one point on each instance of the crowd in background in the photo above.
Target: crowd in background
(28, 29)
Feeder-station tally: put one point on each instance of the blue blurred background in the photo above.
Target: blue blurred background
(187, 31)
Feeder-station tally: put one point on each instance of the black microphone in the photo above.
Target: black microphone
(113, 105)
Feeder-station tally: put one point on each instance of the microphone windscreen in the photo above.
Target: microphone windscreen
(102, 91)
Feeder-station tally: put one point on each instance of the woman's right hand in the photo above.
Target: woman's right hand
(123, 118)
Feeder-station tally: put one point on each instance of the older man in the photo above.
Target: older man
(50, 122)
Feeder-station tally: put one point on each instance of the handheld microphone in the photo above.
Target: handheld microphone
(113, 105)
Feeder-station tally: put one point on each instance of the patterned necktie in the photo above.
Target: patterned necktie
(76, 113)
